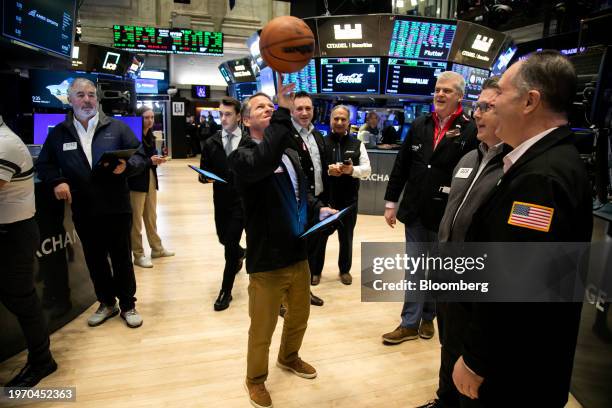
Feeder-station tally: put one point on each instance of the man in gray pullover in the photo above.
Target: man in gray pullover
(474, 177)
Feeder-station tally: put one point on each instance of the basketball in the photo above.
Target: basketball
(286, 44)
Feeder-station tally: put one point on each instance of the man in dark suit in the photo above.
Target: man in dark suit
(229, 217)
(423, 170)
(278, 208)
(521, 354)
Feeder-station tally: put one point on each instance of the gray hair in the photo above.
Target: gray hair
(458, 80)
(245, 111)
(491, 83)
(80, 81)
(346, 109)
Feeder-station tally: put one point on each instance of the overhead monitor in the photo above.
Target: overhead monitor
(349, 36)
(167, 40)
(413, 77)
(241, 70)
(267, 82)
(304, 80)
(476, 45)
(503, 60)
(243, 90)
(49, 89)
(350, 75)
(474, 78)
(43, 24)
(253, 46)
(423, 38)
(200, 91)
(147, 86)
(225, 73)
(97, 58)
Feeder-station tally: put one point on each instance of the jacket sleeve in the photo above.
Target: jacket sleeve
(251, 164)
(314, 207)
(47, 166)
(138, 162)
(401, 167)
(364, 169)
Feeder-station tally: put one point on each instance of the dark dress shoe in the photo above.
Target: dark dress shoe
(30, 375)
(223, 301)
(346, 278)
(315, 280)
(315, 300)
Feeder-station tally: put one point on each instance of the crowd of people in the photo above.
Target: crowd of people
(283, 177)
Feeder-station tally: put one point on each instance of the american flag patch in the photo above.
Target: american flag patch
(531, 216)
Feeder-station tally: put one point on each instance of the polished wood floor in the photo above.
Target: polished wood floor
(187, 355)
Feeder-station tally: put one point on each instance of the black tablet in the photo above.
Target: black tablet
(327, 221)
(207, 174)
(114, 155)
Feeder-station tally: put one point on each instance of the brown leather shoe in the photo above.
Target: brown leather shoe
(426, 329)
(400, 335)
(315, 280)
(299, 368)
(346, 278)
(259, 396)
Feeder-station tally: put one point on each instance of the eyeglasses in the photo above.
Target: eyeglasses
(483, 106)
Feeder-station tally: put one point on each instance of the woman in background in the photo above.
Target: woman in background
(143, 196)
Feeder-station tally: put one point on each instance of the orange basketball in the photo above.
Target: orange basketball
(286, 44)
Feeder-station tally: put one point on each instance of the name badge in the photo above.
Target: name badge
(463, 172)
(70, 146)
(445, 189)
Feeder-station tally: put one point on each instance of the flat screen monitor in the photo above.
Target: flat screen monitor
(205, 112)
(503, 60)
(413, 77)
(96, 58)
(304, 80)
(225, 73)
(427, 39)
(405, 130)
(200, 91)
(167, 40)
(49, 89)
(147, 86)
(267, 82)
(135, 66)
(253, 46)
(241, 70)
(476, 45)
(44, 24)
(349, 36)
(350, 75)
(474, 78)
(323, 129)
(243, 90)
(45, 122)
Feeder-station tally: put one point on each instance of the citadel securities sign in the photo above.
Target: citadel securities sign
(348, 36)
(475, 45)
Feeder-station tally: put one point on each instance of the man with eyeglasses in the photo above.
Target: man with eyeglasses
(423, 170)
(474, 178)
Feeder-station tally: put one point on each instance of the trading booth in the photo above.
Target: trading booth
(385, 63)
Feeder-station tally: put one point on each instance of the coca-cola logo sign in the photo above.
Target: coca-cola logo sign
(349, 79)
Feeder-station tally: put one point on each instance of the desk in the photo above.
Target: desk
(372, 188)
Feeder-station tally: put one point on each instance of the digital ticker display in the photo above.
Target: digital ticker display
(350, 75)
(167, 40)
(304, 80)
(474, 78)
(413, 77)
(243, 90)
(421, 39)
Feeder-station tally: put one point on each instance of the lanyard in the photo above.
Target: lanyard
(440, 132)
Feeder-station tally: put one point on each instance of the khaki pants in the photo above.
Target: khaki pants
(144, 207)
(266, 292)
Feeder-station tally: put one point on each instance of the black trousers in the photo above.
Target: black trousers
(316, 252)
(103, 237)
(229, 230)
(18, 244)
(345, 228)
(449, 353)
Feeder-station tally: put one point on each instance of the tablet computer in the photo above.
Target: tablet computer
(327, 221)
(114, 155)
(207, 174)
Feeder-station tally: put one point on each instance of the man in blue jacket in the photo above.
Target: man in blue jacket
(99, 194)
(277, 205)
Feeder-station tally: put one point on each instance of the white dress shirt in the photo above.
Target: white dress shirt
(235, 139)
(520, 150)
(315, 155)
(364, 169)
(86, 135)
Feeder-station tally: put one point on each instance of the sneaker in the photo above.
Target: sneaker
(258, 395)
(143, 262)
(299, 368)
(432, 404)
(30, 375)
(426, 329)
(103, 313)
(132, 318)
(400, 335)
(161, 254)
(346, 278)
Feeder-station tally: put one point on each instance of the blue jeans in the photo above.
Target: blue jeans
(413, 311)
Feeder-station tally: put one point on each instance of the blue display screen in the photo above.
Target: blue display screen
(422, 39)
(304, 80)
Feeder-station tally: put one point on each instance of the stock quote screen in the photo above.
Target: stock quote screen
(413, 77)
(421, 39)
(167, 40)
(350, 75)
(304, 80)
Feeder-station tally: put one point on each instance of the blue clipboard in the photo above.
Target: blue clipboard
(207, 174)
(327, 221)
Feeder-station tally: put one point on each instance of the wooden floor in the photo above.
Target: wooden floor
(187, 355)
